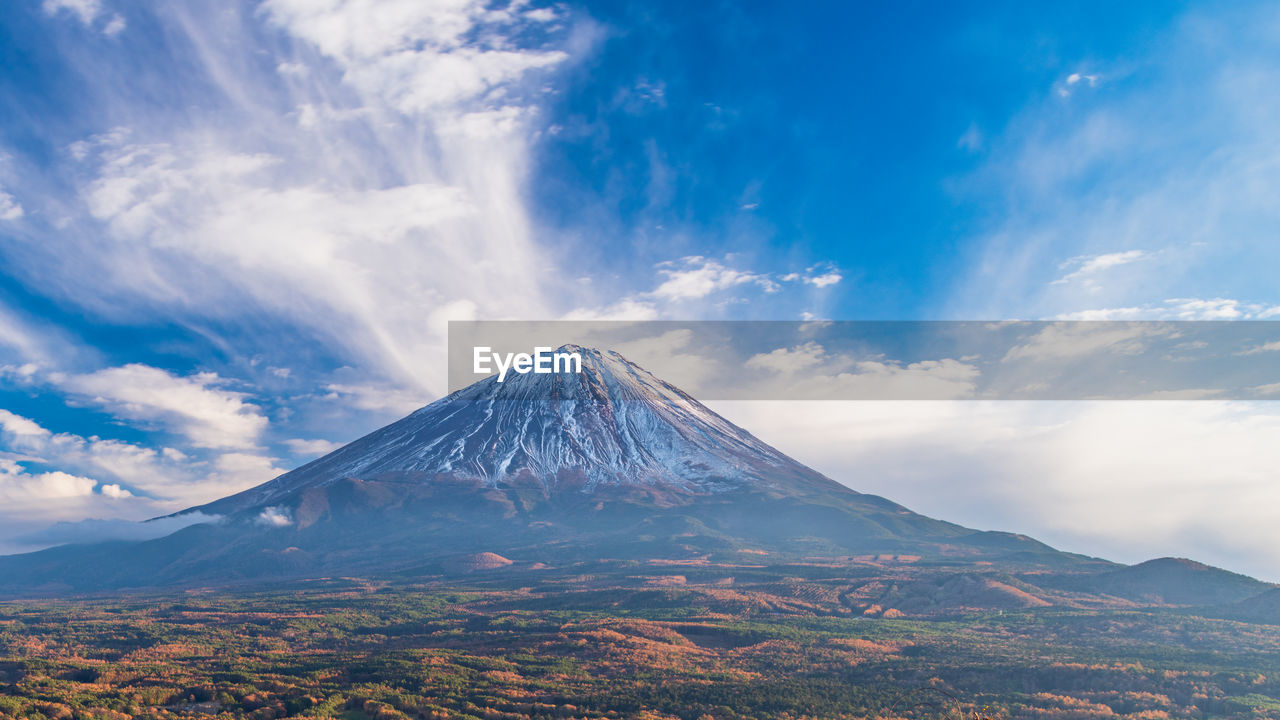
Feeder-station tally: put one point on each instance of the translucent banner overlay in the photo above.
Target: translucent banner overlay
(969, 360)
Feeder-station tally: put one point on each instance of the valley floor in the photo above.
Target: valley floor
(525, 644)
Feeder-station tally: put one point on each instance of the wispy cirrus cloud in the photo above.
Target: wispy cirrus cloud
(303, 446)
(1077, 340)
(87, 12)
(419, 56)
(23, 342)
(819, 276)
(810, 372)
(1181, 309)
(1153, 189)
(1263, 348)
(196, 407)
(353, 178)
(694, 278)
(98, 530)
(1076, 81)
(1086, 268)
(697, 281)
(10, 208)
(368, 178)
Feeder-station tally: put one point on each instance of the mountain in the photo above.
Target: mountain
(614, 425)
(1261, 608)
(607, 465)
(1170, 581)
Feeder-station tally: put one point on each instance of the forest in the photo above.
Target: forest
(513, 645)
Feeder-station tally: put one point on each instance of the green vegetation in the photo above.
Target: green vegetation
(514, 645)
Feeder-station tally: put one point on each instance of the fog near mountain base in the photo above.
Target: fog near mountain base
(1127, 481)
(98, 530)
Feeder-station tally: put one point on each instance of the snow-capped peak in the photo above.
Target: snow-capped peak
(613, 423)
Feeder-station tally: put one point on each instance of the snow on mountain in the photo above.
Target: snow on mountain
(614, 423)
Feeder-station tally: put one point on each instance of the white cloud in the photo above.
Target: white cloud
(241, 464)
(1181, 309)
(1086, 268)
(113, 490)
(292, 68)
(1074, 80)
(818, 276)
(696, 277)
(195, 406)
(30, 495)
(18, 486)
(928, 379)
(146, 482)
(626, 309)
(20, 426)
(85, 10)
(112, 457)
(676, 352)
(809, 372)
(114, 26)
(10, 209)
(825, 279)
(135, 465)
(1074, 340)
(30, 345)
(411, 55)
(312, 447)
(972, 139)
(1107, 314)
(545, 14)
(1273, 346)
(140, 187)
(1214, 309)
(275, 517)
(17, 336)
(99, 530)
(376, 398)
(789, 360)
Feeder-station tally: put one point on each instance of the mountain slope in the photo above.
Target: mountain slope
(1172, 581)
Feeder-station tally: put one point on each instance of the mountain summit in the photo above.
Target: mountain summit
(610, 463)
(612, 424)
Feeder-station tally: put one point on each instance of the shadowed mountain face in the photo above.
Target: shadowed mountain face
(608, 464)
(1171, 581)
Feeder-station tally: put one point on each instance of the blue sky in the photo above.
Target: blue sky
(232, 234)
